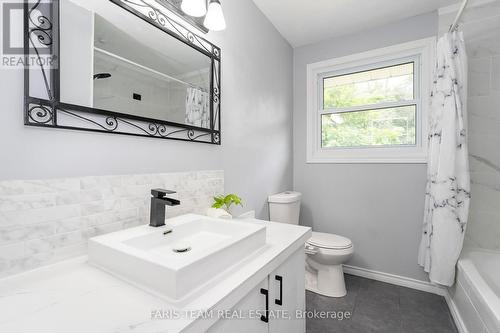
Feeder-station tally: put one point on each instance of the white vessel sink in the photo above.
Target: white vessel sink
(144, 255)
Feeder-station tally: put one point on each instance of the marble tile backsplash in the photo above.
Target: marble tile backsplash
(44, 221)
(481, 26)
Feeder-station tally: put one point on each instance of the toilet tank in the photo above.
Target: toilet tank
(285, 207)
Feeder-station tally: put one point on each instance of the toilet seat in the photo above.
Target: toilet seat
(329, 241)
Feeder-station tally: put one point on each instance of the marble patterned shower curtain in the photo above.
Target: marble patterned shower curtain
(448, 179)
(197, 108)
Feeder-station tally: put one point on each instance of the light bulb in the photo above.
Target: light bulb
(196, 8)
(215, 17)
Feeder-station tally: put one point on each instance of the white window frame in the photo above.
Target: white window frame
(422, 52)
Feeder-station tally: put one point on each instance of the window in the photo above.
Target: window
(370, 107)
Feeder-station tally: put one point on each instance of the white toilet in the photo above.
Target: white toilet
(325, 252)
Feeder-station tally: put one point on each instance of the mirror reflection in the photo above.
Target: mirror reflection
(128, 66)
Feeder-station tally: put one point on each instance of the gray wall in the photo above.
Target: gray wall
(380, 207)
(256, 120)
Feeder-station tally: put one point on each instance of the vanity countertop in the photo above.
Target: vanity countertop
(73, 296)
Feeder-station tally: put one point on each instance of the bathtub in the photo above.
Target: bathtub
(475, 298)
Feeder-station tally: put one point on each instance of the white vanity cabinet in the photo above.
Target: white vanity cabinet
(287, 295)
(251, 307)
(282, 293)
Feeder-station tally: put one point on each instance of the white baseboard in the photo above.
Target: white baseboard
(396, 280)
(413, 284)
(457, 318)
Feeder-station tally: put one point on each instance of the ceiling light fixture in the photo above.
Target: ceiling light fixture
(196, 8)
(215, 17)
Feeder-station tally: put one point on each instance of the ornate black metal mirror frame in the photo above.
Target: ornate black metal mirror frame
(41, 24)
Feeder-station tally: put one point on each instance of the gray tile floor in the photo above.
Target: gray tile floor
(380, 307)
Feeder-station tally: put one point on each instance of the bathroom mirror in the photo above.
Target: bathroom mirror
(121, 66)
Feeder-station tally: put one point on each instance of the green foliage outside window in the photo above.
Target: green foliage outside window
(389, 126)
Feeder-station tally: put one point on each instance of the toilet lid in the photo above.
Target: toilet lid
(329, 241)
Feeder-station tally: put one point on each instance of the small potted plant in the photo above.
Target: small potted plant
(222, 205)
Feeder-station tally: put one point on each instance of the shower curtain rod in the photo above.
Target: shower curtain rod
(134, 64)
(454, 26)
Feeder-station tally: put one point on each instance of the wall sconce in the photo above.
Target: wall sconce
(214, 16)
(196, 8)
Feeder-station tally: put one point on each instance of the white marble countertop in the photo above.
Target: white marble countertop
(73, 296)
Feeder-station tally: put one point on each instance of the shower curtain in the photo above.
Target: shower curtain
(197, 108)
(448, 179)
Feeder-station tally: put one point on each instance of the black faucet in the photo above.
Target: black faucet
(158, 203)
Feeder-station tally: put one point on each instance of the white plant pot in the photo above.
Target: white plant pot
(219, 213)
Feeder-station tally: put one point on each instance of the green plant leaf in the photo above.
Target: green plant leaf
(217, 205)
(218, 202)
(226, 201)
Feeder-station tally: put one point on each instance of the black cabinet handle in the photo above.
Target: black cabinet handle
(265, 318)
(280, 300)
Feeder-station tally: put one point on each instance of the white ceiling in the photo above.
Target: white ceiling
(304, 22)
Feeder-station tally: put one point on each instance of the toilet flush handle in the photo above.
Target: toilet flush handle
(311, 249)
